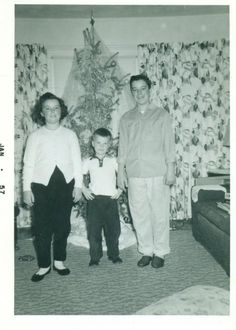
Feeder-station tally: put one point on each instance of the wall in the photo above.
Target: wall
(61, 36)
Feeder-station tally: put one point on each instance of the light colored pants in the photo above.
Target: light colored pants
(149, 201)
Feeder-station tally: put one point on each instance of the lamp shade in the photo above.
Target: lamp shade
(226, 141)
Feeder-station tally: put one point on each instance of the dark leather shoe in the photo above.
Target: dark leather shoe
(157, 262)
(116, 260)
(93, 263)
(144, 261)
(37, 277)
(63, 272)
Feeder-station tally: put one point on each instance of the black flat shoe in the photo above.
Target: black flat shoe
(93, 263)
(157, 262)
(116, 260)
(37, 277)
(144, 261)
(63, 272)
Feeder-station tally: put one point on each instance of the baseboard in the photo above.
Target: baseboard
(185, 224)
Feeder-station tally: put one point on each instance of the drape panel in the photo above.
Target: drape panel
(191, 81)
(31, 80)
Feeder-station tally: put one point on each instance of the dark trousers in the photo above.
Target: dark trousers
(103, 215)
(51, 218)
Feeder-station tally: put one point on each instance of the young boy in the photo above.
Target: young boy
(102, 195)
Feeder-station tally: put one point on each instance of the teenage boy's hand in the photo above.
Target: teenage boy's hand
(117, 195)
(87, 193)
(169, 178)
(122, 178)
(77, 194)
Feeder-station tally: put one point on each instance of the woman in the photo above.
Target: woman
(52, 180)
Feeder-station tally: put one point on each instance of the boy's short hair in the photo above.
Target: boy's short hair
(104, 132)
(140, 77)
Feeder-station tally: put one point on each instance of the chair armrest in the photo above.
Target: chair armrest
(208, 193)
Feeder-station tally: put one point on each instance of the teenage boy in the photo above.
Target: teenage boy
(146, 160)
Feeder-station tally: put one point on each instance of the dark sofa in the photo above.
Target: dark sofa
(211, 225)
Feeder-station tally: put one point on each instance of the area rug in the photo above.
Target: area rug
(195, 300)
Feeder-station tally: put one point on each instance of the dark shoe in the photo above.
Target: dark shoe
(144, 261)
(37, 277)
(93, 263)
(63, 272)
(116, 260)
(157, 262)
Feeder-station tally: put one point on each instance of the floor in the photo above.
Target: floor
(112, 289)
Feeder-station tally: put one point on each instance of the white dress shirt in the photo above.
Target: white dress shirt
(102, 178)
(46, 149)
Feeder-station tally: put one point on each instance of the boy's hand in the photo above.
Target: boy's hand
(87, 193)
(77, 194)
(117, 195)
(28, 198)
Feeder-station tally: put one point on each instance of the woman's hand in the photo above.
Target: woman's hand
(28, 198)
(77, 194)
(87, 193)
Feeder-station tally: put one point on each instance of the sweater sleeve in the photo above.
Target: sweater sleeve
(76, 159)
(169, 141)
(29, 161)
(115, 164)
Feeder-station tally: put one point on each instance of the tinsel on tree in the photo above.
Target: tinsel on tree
(93, 89)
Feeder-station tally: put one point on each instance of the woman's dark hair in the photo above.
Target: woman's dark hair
(140, 77)
(36, 112)
(104, 132)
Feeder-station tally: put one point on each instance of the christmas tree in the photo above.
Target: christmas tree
(95, 89)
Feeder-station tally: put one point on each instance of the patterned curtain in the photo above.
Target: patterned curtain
(31, 79)
(191, 81)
